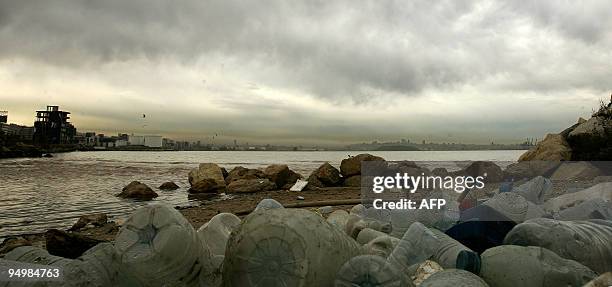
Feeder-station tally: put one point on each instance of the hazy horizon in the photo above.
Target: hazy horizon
(323, 72)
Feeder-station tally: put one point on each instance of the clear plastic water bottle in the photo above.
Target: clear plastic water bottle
(417, 245)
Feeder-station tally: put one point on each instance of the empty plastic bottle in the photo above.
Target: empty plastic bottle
(511, 266)
(535, 189)
(268, 203)
(448, 250)
(588, 242)
(338, 219)
(286, 247)
(368, 234)
(355, 224)
(370, 271)
(453, 278)
(595, 208)
(160, 247)
(382, 246)
(214, 236)
(417, 245)
(35, 255)
(514, 206)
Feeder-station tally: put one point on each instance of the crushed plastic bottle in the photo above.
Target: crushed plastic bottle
(595, 208)
(588, 242)
(159, 246)
(213, 236)
(511, 266)
(286, 247)
(382, 246)
(35, 255)
(355, 224)
(338, 219)
(453, 278)
(370, 270)
(535, 189)
(448, 250)
(514, 206)
(417, 245)
(368, 234)
(268, 203)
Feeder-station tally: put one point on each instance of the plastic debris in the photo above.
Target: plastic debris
(268, 203)
(382, 246)
(370, 270)
(417, 245)
(338, 218)
(535, 189)
(425, 270)
(299, 185)
(286, 247)
(453, 278)
(214, 235)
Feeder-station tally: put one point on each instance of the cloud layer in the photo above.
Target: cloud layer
(311, 71)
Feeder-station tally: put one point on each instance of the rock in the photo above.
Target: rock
(224, 172)
(68, 245)
(13, 242)
(291, 180)
(511, 266)
(250, 185)
(352, 166)
(206, 185)
(370, 270)
(207, 171)
(604, 280)
(326, 174)
(602, 190)
(168, 186)
(590, 141)
(453, 278)
(535, 189)
(571, 171)
(514, 206)
(489, 170)
(98, 219)
(137, 190)
(440, 171)
(586, 242)
(240, 172)
(530, 169)
(353, 181)
(595, 126)
(279, 174)
(425, 270)
(553, 148)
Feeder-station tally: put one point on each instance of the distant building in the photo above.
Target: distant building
(21, 133)
(52, 127)
(3, 117)
(145, 140)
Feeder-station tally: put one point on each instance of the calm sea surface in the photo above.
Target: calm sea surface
(42, 193)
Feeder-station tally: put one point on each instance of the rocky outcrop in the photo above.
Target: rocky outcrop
(487, 169)
(240, 172)
(250, 185)
(352, 165)
(353, 181)
(66, 244)
(170, 185)
(325, 175)
(137, 190)
(208, 177)
(553, 148)
(281, 175)
(98, 219)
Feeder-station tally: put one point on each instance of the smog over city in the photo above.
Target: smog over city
(322, 72)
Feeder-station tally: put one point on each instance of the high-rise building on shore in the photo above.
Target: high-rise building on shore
(52, 127)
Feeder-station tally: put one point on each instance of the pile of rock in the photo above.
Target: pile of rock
(584, 141)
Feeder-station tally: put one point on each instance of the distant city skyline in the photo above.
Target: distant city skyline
(312, 73)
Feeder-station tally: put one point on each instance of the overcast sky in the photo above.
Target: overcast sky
(324, 72)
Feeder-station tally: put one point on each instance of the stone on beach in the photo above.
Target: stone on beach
(250, 185)
(137, 190)
(97, 219)
(553, 148)
(210, 173)
(325, 175)
(353, 181)
(487, 169)
(170, 185)
(352, 165)
(240, 172)
(511, 266)
(67, 244)
(281, 175)
(587, 242)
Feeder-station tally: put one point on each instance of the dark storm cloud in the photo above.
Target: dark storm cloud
(326, 48)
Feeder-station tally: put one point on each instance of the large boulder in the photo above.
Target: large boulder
(250, 185)
(240, 172)
(325, 175)
(206, 185)
(352, 165)
(207, 171)
(554, 148)
(487, 169)
(137, 190)
(68, 245)
(353, 181)
(591, 139)
(281, 175)
(530, 169)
